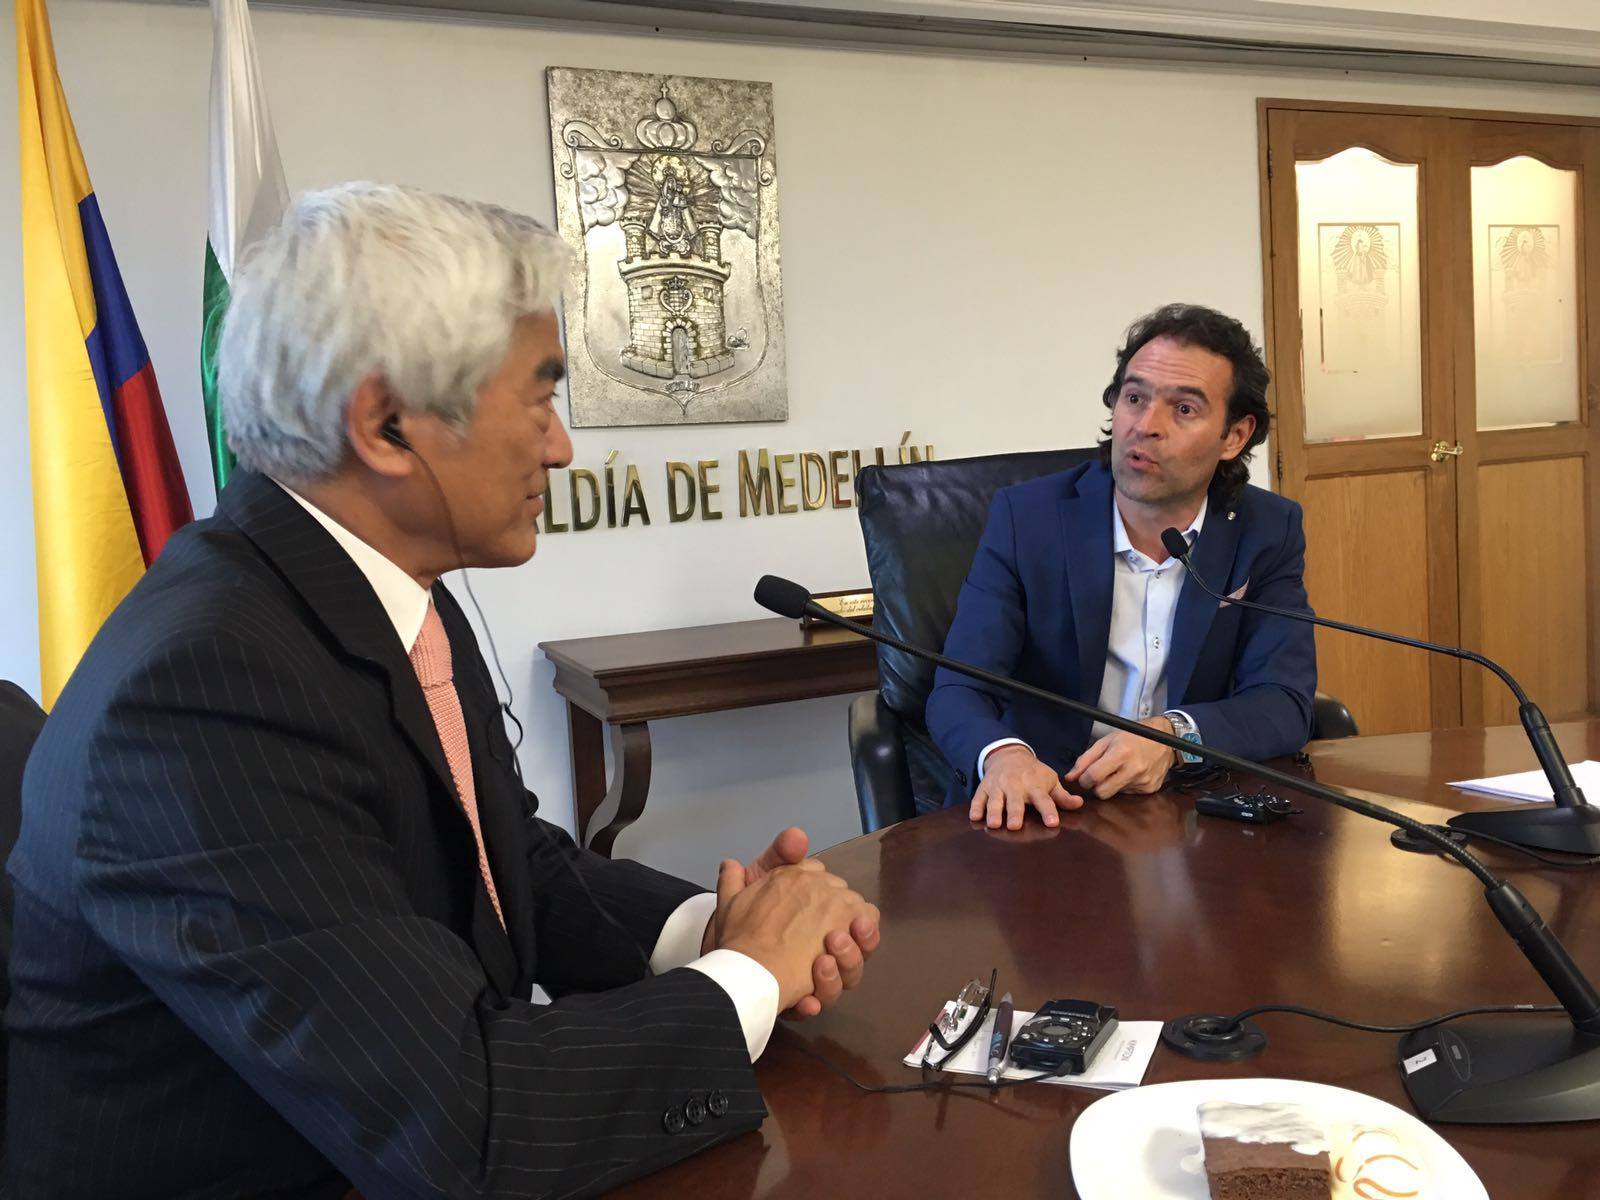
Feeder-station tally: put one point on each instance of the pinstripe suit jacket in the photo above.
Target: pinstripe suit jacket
(253, 955)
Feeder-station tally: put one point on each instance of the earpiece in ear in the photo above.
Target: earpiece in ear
(391, 433)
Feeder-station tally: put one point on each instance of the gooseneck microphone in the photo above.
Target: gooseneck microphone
(1544, 1070)
(1571, 824)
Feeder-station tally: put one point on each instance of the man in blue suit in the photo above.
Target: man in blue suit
(1072, 590)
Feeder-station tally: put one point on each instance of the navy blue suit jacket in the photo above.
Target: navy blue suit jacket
(1037, 606)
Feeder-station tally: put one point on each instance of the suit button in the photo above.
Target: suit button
(717, 1103)
(961, 777)
(672, 1120)
(694, 1110)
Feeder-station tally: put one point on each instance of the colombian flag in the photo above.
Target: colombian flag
(107, 488)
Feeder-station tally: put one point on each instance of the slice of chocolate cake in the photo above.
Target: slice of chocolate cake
(1264, 1152)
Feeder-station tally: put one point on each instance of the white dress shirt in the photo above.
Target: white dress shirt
(749, 985)
(1144, 603)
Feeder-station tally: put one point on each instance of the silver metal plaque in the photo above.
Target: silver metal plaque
(667, 192)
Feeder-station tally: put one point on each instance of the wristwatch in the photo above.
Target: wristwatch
(1184, 728)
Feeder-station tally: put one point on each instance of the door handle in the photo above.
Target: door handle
(1444, 450)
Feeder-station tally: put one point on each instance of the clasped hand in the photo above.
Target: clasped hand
(797, 919)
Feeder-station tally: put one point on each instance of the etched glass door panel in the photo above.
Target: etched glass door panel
(1525, 293)
(1360, 313)
(1359, 210)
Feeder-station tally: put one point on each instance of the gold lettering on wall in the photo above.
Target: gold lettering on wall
(838, 478)
(633, 503)
(786, 483)
(679, 510)
(707, 490)
(755, 488)
(586, 481)
(769, 485)
(810, 461)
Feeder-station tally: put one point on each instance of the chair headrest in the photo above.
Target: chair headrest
(921, 523)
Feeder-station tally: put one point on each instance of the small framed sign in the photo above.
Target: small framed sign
(855, 604)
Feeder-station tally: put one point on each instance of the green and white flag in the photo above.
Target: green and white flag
(248, 192)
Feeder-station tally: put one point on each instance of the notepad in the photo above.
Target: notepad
(1121, 1063)
(1532, 785)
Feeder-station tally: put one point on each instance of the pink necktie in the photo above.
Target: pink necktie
(430, 658)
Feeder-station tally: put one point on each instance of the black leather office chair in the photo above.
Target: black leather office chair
(921, 523)
(20, 722)
(1330, 718)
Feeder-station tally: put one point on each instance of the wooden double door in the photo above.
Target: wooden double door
(1433, 355)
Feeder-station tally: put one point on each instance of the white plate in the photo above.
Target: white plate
(1144, 1144)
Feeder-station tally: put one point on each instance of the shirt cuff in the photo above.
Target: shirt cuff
(983, 754)
(752, 989)
(679, 943)
(749, 985)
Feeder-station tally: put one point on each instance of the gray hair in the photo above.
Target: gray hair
(363, 277)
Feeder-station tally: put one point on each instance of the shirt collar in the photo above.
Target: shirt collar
(403, 598)
(1119, 532)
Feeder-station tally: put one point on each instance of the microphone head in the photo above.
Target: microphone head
(1175, 543)
(782, 596)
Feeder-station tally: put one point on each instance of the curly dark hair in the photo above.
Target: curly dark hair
(1196, 325)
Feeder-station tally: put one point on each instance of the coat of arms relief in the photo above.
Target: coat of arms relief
(666, 191)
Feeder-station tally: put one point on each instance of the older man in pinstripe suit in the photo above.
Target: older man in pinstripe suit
(280, 893)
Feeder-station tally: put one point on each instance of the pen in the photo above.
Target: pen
(1001, 1035)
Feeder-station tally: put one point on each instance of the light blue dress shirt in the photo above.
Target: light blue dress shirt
(1144, 603)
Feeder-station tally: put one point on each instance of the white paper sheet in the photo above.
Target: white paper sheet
(1120, 1064)
(1532, 785)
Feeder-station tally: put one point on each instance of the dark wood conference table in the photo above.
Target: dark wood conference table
(1143, 904)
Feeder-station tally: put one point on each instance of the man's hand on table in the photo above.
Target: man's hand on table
(1015, 781)
(798, 920)
(1124, 762)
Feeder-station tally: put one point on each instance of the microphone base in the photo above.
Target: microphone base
(1538, 826)
(1511, 1070)
(1194, 1036)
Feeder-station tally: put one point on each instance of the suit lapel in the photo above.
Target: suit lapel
(1213, 555)
(1086, 537)
(507, 860)
(340, 597)
(500, 813)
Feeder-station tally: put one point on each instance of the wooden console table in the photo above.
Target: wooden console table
(624, 681)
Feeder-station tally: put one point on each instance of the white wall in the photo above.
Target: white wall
(1532, 31)
(1552, 15)
(1556, 14)
(964, 239)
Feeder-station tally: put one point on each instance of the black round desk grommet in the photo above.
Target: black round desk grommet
(1196, 1036)
(1404, 839)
